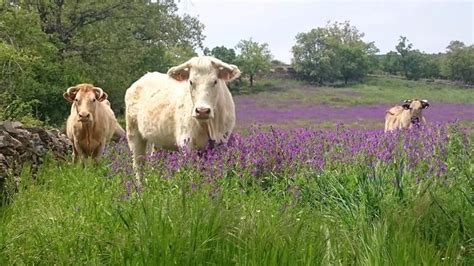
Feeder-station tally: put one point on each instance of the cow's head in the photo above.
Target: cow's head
(415, 106)
(206, 77)
(85, 98)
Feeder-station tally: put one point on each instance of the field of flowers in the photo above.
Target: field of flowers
(290, 104)
(251, 111)
(263, 154)
(271, 196)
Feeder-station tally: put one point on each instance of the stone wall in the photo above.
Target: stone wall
(21, 144)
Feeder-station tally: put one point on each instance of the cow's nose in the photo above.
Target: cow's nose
(84, 115)
(203, 111)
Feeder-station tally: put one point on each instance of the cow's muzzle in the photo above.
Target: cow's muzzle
(415, 120)
(84, 117)
(202, 113)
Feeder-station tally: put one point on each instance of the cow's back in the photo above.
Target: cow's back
(142, 90)
(107, 120)
(72, 118)
(392, 118)
(151, 104)
(394, 111)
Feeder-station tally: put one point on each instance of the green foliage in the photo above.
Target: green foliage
(12, 108)
(389, 89)
(47, 46)
(459, 62)
(253, 59)
(380, 92)
(410, 60)
(221, 52)
(432, 65)
(30, 72)
(413, 64)
(347, 214)
(391, 63)
(332, 53)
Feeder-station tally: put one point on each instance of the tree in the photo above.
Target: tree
(431, 65)
(313, 56)
(225, 54)
(409, 59)
(108, 43)
(333, 52)
(28, 61)
(356, 60)
(459, 62)
(391, 63)
(254, 58)
(413, 64)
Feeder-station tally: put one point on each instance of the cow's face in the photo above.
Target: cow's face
(415, 106)
(206, 77)
(85, 98)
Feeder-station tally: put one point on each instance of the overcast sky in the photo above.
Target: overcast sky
(429, 25)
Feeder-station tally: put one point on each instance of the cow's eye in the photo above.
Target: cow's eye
(190, 83)
(93, 100)
(76, 100)
(215, 82)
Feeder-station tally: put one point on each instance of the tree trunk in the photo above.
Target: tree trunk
(251, 81)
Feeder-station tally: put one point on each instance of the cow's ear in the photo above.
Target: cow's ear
(179, 73)
(70, 94)
(425, 104)
(100, 95)
(227, 72)
(406, 104)
(103, 97)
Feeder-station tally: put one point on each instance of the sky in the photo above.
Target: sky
(428, 25)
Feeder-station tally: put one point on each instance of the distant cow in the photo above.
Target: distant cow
(186, 107)
(405, 116)
(91, 123)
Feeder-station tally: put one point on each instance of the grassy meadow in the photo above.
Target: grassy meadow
(307, 191)
(291, 103)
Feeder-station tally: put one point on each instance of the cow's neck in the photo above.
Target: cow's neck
(88, 131)
(207, 127)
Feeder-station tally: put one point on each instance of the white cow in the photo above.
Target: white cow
(184, 108)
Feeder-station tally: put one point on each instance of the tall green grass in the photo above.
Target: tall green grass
(346, 215)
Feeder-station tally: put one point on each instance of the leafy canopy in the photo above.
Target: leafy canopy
(254, 58)
(333, 52)
(47, 46)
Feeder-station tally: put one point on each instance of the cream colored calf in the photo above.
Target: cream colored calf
(411, 112)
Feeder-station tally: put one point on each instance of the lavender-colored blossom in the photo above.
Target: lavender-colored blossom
(261, 153)
(252, 111)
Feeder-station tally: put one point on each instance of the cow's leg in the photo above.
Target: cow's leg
(75, 155)
(138, 147)
(184, 143)
(80, 156)
(97, 152)
(404, 123)
(387, 124)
